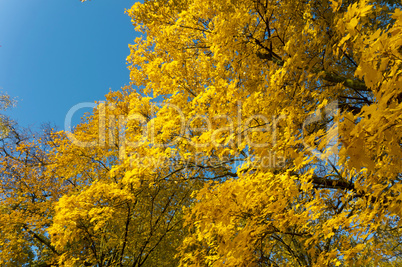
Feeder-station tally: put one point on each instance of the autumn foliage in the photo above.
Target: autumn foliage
(253, 133)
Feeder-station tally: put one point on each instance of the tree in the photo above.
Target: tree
(5, 103)
(106, 220)
(62, 205)
(27, 195)
(315, 85)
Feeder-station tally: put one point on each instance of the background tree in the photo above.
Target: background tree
(27, 195)
(5, 103)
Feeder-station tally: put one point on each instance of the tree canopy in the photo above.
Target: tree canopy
(5, 103)
(253, 133)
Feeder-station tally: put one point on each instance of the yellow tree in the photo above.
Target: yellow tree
(292, 109)
(105, 220)
(27, 195)
(61, 205)
(5, 103)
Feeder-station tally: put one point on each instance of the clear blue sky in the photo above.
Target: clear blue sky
(55, 54)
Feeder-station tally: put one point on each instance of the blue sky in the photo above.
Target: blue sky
(55, 54)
